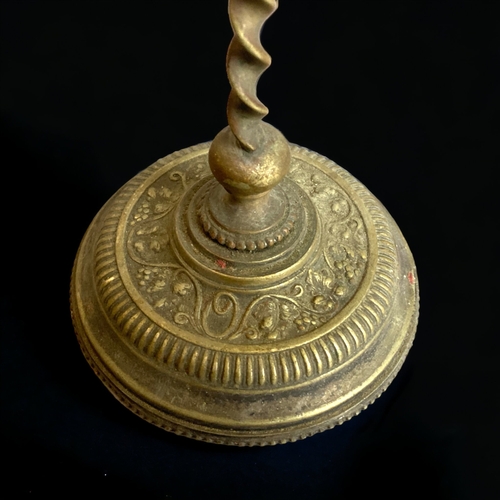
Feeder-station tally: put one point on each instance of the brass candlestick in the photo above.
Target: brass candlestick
(264, 303)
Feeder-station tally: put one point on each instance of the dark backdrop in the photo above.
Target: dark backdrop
(405, 95)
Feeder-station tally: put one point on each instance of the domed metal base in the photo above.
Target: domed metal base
(244, 347)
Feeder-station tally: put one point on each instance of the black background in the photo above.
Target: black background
(404, 95)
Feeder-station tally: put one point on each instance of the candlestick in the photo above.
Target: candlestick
(264, 303)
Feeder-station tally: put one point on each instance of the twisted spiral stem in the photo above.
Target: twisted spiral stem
(246, 61)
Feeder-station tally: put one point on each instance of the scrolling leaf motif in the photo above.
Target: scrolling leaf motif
(315, 297)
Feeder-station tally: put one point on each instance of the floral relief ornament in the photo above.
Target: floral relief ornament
(315, 297)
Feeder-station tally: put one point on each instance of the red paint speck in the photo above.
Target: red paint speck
(411, 278)
(221, 263)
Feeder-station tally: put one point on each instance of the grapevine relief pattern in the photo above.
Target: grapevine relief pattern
(317, 295)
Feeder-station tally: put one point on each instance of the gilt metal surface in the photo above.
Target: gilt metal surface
(273, 301)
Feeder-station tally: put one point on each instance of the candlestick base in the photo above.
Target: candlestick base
(244, 347)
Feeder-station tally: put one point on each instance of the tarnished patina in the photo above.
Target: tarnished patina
(245, 291)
